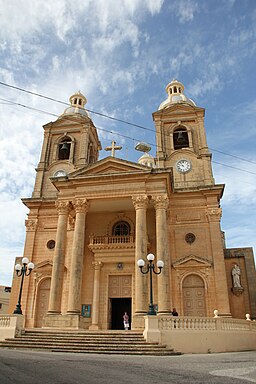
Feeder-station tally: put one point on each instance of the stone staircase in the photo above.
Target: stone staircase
(103, 342)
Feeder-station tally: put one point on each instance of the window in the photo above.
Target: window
(1, 305)
(122, 228)
(180, 138)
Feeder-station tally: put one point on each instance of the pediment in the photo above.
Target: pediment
(192, 261)
(110, 165)
(44, 263)
(178, 108)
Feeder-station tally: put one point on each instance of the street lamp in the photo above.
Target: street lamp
(22, 271)
(150, 268)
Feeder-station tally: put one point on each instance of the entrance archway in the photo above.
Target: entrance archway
(193, 296)
(42, 301)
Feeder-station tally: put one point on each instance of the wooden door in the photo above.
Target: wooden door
(42, 301)
(193, 296)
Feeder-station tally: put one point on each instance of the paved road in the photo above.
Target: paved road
(61, 368)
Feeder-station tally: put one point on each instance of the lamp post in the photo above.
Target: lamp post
(22, 270)
(149, 269)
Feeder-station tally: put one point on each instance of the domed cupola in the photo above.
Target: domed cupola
(147, 160)
(175, 93)
(77, 103)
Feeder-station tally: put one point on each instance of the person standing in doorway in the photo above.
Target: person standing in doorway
(126, 321)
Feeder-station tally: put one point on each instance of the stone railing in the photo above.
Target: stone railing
(111, 241)
(5, 321)
(201, 334)
(204, 323)
(10, 326)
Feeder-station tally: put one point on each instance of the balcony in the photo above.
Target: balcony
(110, 242)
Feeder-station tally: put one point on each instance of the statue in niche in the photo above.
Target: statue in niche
(236, 273)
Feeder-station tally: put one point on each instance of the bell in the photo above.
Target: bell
(64, 147)
(180, 138)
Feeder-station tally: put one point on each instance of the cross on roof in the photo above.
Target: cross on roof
(113, 148)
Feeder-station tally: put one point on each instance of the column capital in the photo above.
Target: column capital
(214, 214)
(63, 207)
(97, 265)
(160, 201)
(140, 201)
(31, 225)
(81, 205)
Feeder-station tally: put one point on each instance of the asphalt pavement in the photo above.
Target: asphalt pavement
(30, 367)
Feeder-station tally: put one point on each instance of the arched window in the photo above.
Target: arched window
(64, 149)
(180, 138)
(121, 228)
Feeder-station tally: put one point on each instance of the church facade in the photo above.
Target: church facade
(91, 220)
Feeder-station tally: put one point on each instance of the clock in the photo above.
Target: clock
(60, 173)
(183, 166)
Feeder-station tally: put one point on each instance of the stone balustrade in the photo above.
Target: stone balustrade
(204, 323)
(111, 241)
(5, 321)
(201, 334)
(10, 325)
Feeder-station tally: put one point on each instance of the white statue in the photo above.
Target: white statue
(236, 272)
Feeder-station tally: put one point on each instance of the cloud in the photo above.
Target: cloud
(185, 9)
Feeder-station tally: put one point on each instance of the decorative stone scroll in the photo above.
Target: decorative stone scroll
(214, 214)
(81, 205)
(31, 225)
(140, 201)
(161, 201)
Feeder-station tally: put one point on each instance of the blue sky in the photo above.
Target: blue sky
(121, 55)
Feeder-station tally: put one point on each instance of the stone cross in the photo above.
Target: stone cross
(113, 148)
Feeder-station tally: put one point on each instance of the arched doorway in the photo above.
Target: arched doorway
(42, 301)
(193, 296)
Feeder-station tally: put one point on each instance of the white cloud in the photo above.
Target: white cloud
(185, 9)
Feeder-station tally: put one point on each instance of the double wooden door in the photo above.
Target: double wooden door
(193, 296)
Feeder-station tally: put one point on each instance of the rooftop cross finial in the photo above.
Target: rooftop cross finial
(113, 148)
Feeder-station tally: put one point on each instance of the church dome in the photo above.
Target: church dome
(147, 160)
(77, 103)
(175, 93)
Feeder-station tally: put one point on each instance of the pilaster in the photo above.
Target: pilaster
(96, 296)
(221, 288)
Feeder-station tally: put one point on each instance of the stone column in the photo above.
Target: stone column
(76, 269)
(63, 208)
(221, 288)
(141, 293)
(96, 295)
(161, 203)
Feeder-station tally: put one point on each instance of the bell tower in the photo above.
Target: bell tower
(70, 143)
(181, 139)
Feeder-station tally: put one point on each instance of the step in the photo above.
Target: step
(108, 342)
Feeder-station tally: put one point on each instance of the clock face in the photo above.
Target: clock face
(60, 173)
(183, 166)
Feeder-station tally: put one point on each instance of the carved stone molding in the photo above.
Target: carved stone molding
(237, 290)
(63, 207)
(81, 205)
(140, 201)
(31, 225)
(160, 201)
(214, 214)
